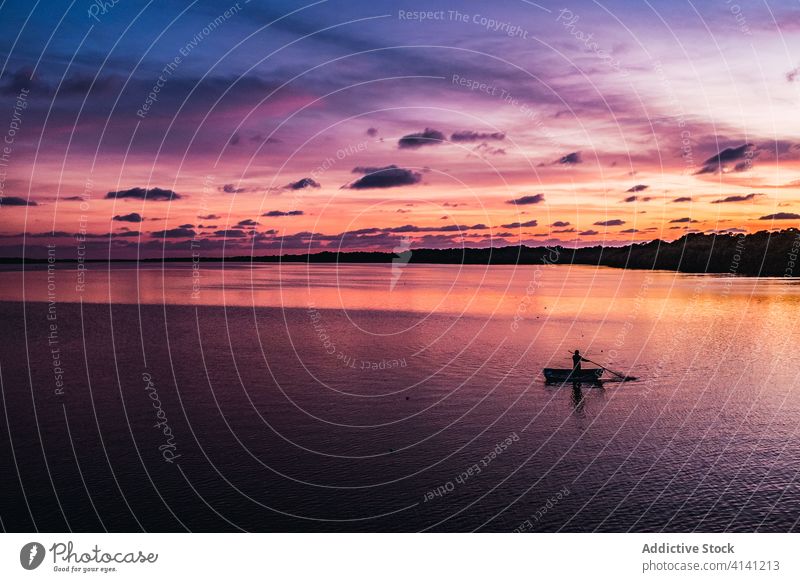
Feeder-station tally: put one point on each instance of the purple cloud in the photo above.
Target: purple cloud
(16, 201)
(737, 198)
(571, 158)
(781, 216)
(273, 213)
(230, 233)
(717, 163)
(132, 217)
(385, 177)
(144, 194)
(530, 199)
(173, 233)
(423, 138)
(302, 183)
(520, 224)
(472, 136)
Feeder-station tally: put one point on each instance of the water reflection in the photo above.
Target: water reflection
(578, 402)
(379, 394)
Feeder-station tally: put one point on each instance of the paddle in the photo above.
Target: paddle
(623, 377)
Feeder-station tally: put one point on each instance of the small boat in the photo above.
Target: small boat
(567, 375)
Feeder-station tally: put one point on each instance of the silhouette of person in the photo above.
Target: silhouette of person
(576, 361)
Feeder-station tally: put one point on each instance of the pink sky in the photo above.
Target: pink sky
(363, 130)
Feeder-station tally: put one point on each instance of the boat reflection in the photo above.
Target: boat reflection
(578, 400)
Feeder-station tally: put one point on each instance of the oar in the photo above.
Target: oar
(622, 376)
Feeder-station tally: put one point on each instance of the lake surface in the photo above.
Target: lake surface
(395, 398)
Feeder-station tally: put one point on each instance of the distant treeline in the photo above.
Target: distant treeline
(760, 254)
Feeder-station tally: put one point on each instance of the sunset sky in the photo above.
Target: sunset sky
(283, 127)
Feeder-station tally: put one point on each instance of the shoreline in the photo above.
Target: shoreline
(760, 254)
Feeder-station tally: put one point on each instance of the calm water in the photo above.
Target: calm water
(396, 397)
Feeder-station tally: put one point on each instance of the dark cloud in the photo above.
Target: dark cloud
(718, 162)
(630, 231)
(793, 75)
(564, 230)
(472, 136)
(385, 177)
(422, 138)
(187, 226)
(302, 183)
(635, 198)
(410, 228)
(737, 198)
(174, 233)
(209, 217)
(247, 222)
(520, 224)
(16, 82)
(781, 216)
(572, 158)
(588, 232)
(283, 213)
(230, 233)
(232, 189)
(372, 132)
(529, 199)
(683, 199)
(612, 222)
(679, 220)
(132, 217)
(143, 194)
(16, 201)
(637, 188)
(560, 223)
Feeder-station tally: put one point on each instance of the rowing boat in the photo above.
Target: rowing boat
(568, 375)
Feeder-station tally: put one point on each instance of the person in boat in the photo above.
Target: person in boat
(577, 358)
